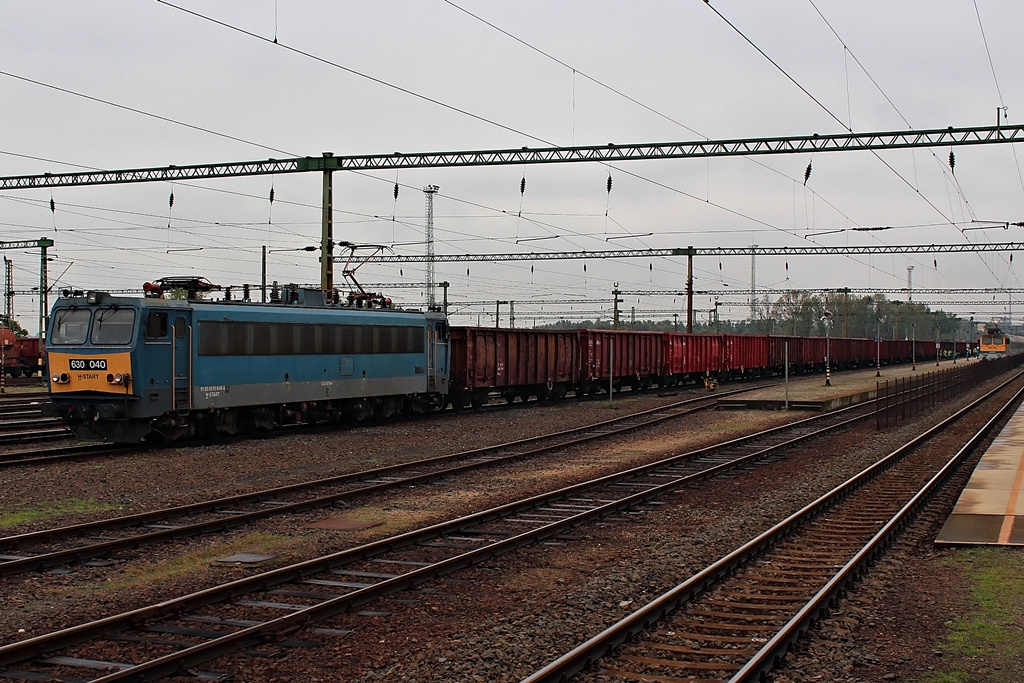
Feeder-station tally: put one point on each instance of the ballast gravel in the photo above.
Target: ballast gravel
(498, 622)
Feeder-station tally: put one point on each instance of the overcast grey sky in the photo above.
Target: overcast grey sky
(925, 65)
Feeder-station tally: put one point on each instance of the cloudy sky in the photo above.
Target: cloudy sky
(116, 84)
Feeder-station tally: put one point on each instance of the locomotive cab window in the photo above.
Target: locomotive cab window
(114, 326)
(156, 325)
(70, 326)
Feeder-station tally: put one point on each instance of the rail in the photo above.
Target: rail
(410, 558)
(613, 641)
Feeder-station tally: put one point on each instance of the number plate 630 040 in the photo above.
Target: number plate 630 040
(88, 363)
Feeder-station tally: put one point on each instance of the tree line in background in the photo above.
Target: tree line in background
(802, 314)
(13, 326)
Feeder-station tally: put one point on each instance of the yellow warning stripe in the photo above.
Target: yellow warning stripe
(1011, 505)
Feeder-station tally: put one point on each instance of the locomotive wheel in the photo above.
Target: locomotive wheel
(459, 401)
(388, 409)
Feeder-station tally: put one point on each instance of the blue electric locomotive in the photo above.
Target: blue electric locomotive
(126, 369)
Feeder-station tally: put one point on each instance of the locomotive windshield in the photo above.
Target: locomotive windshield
(114, 326)
(70, 326)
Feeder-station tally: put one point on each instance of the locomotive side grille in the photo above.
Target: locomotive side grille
(230, 338)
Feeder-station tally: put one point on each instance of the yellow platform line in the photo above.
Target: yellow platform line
(1011, 505)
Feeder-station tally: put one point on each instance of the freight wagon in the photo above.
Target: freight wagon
(511, 362)
(619, 358)
(20, 356)
(690, 358)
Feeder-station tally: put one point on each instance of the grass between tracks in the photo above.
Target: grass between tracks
(56, 508)
(986, 644)
(200, 560)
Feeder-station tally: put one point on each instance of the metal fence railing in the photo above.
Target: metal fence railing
(904, 397)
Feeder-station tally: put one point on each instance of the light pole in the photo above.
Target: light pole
(970, 338)
(826, 319)
(878, 347)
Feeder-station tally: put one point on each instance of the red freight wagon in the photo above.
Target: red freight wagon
(898, 350)
(777, 354)
(813, 353)
(691, 356)
(865, 351)
(512, 362)
(839, 350)
(745, 354)
(20, 355)
(636, 358)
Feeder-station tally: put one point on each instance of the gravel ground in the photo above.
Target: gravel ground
(98, 489)
(495, 623)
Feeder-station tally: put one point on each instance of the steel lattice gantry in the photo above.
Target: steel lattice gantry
(43, 243)
(831, 290)
(703, 251)
(690, 252)
(940, 137)
(328, 163)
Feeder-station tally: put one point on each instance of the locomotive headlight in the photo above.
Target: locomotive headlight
(55, 378)
(60, 378)
(117, 378)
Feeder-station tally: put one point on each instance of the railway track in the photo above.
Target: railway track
(18, 382)
(22, 406)
(22, 421)
(735, 619)
(47, 456)
(39, 550)
(161, 639)
(24, 428)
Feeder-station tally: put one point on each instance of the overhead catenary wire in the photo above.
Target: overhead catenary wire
(354, 72)
(899, 113)
(325, 61)
(392, 214)
(345, 68)
(785, 73)
(995, 79)
(575, 70)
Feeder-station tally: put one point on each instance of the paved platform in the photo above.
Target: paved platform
(991, 508)
(808, 392)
